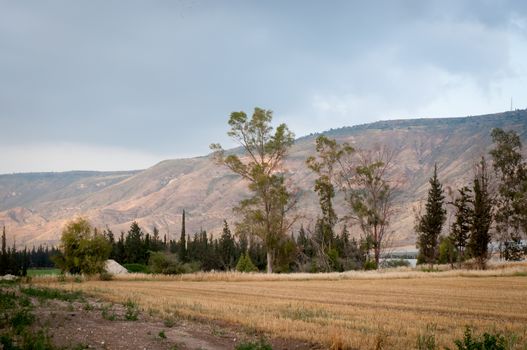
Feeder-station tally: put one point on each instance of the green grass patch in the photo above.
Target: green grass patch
(48, 293)
(8, 300)
(259, 345)
(42, 272)
(137, 268)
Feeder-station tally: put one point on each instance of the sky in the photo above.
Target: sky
(117, 85)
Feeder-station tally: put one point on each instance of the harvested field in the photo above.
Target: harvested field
(344, 313)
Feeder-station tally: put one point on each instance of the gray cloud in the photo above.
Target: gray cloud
(160, 78)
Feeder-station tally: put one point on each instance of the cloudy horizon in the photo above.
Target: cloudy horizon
(115, 85)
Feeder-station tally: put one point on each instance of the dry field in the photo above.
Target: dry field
(354, 312)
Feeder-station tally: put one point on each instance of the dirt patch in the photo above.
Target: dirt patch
(95, 324)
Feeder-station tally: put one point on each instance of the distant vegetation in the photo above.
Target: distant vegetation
(490, 210)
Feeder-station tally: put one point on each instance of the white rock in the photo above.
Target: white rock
(114, 267)
(8, 277)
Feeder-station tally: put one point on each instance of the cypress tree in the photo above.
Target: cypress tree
(4, 259)
(227, 248)
(482, 216)
(183, 241)
(430, 225)
(460, 231)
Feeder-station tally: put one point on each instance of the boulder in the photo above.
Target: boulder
(114, 267)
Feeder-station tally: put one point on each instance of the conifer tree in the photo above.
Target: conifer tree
(481, 217)
(460, 230)
(183, 241)
(135, 250)
(430, 225)
(227, 248)
(4, 258)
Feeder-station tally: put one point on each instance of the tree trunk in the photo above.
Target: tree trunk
(269, 261)
(377, 252)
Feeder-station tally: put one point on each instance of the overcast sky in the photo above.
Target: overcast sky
(113, 85)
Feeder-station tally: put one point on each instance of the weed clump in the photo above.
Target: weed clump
(132, 311)
(486, 342)
(427, 340)
(262, 344)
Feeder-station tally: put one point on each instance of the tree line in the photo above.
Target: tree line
(16, 262)
(264, 237)
(486, 210)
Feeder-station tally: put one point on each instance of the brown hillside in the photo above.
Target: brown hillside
(34, 207)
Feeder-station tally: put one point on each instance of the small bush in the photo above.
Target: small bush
(168, 264)
(162, 335)
(169, 322)
(30, 341)
(370, 265)
(262, 344)
(245, 264)
(132, 312)
(486, 342)
(21, 319)
(7, 300)
(107, 315)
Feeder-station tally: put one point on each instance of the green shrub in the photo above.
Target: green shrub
(245, 264)
(137, 268)
(21, 319)
(105, 276)
(7, 300)
(162, 335)
(132, 312)
(169, 322)
(370, 265)
(107, 315)
(486, 342)
(168, 264)
(262, 344)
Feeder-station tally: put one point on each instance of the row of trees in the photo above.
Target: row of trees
(361, 176)
(298, 252)
(16, 262)
(477, 207)
(85, 250)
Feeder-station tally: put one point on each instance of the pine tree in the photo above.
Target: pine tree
(430, 225)
(482, 216)
(4, 258)
(134, 245)
(227, 248)
(460, 231)
(182, 253)
(156, 243)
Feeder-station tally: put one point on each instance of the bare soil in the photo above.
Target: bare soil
(95, 324)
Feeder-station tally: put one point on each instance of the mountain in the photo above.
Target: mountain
(34, 207)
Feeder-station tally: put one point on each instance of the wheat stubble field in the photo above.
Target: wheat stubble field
(347, 313)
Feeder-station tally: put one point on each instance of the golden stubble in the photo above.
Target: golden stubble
(343, 313)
